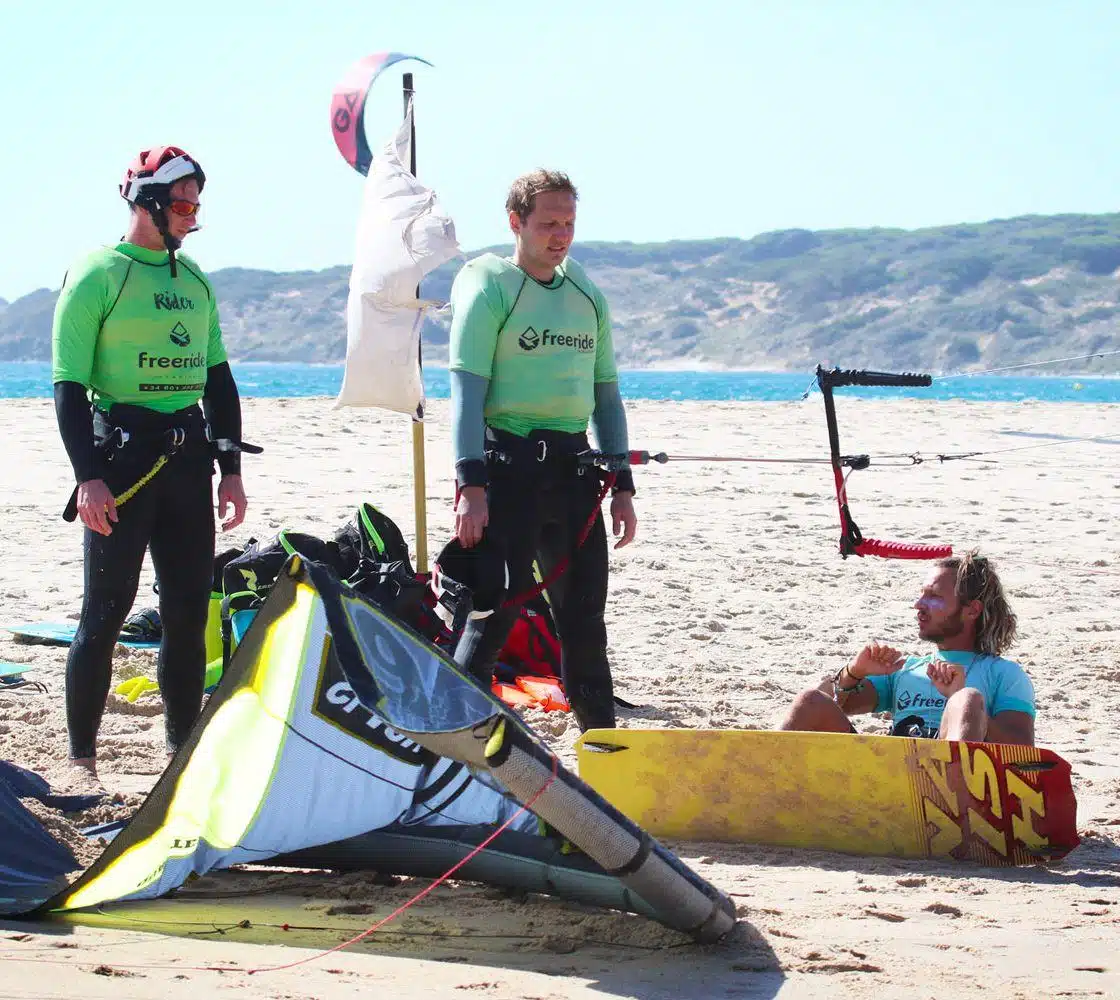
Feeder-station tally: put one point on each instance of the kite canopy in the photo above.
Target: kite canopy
(340, 737)
(33, 865)
(349, 101)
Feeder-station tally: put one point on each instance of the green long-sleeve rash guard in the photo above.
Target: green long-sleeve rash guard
(130, 333)
(468, 400)
(528, 355)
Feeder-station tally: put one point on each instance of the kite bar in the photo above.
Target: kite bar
(852, 541)
(836, 377)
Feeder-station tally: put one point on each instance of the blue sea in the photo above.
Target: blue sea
(29, 380)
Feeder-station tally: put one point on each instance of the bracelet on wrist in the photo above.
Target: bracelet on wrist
(859, 681)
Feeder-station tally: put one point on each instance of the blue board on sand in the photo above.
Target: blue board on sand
(62, 634)
(13, 669)
(12, 679)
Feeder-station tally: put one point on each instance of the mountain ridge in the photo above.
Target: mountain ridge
(980, 295)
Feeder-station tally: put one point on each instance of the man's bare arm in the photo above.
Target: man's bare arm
(874, 658)
(1011, 727)
(851, 702)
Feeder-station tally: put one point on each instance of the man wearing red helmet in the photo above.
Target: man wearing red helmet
(137, 346)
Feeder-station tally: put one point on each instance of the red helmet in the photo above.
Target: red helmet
(153, 172)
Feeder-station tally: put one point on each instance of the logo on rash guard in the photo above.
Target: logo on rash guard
(911, 699)
(172, 301)
(146, 360)
(180, 335)
(530, 340)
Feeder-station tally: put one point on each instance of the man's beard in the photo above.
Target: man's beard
(945, 630)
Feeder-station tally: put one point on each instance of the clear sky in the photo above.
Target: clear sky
(676, 119)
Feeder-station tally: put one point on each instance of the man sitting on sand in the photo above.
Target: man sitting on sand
(963, 691)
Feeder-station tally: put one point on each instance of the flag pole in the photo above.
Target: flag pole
(419, 485)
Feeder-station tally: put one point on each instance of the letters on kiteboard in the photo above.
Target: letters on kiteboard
(973, 802)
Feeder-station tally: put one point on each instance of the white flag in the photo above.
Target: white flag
(403, 234)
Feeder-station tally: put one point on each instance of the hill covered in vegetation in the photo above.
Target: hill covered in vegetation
(936, 299)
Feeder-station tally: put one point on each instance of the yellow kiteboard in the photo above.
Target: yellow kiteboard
(879, 795)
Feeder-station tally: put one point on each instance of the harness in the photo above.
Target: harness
(541, 449)
(915, 727)
(131, 433)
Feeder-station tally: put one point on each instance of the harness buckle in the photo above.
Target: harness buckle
(122, 436)
(542, 450)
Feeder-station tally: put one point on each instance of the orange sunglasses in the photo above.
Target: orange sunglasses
(184, 208)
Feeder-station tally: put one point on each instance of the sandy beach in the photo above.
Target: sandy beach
(732, 599)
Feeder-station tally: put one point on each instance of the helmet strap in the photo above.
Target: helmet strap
(169, 241)
(158, 211)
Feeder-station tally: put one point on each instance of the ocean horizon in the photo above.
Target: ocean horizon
(257, 379)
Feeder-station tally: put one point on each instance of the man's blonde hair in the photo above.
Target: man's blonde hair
(977, 580)
(523, 192)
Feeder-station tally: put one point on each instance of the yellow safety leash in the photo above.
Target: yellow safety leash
(141, 482)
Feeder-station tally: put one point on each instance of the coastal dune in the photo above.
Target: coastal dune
(731, 600)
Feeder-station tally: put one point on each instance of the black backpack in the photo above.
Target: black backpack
(368, 553)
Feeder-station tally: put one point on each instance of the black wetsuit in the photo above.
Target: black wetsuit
(538, 509)
(135, 350)
(173, 517)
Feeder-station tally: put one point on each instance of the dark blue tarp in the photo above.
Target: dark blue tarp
(33, 865)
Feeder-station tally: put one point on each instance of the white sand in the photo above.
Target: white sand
(732, 599)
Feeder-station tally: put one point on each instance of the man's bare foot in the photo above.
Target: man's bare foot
(81, 778)
(88, 764)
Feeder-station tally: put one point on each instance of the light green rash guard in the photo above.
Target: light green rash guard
(542, 347)
(130, 333)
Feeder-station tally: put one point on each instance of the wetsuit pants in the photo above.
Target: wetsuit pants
(538, 506)
(173, 516)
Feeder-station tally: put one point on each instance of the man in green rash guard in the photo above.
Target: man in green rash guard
(531, 364)
(136, 348)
